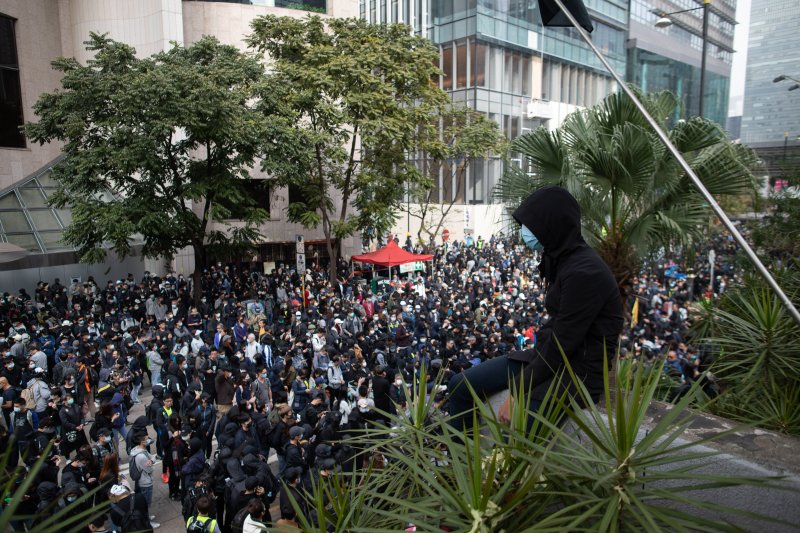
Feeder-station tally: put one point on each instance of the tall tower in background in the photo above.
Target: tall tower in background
(771, 117)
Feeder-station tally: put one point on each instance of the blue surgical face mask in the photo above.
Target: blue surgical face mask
(530, 239)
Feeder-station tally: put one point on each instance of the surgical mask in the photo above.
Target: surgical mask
(17, 409)
(363, 365)
(10, 366)
(398, 382)
(530, 239)
(71, 499)
(70, 401)
(149, 441)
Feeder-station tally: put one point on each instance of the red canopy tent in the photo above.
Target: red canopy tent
(391, 255)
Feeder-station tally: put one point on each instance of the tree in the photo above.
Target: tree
(634, 198)
(459, 135)
(172, 137)
(353, 97)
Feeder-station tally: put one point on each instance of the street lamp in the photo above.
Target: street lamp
(783, 77)
(665, 21)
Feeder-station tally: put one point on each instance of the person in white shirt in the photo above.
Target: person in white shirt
(252, 349)
(254, 523)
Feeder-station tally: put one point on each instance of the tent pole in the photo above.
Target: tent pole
(707, 196)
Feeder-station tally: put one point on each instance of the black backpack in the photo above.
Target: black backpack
(133, 470)
(133, 520)
(196, 526)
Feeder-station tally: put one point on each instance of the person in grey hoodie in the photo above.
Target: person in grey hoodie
(144, 463)
(41, 392)
(155, 363)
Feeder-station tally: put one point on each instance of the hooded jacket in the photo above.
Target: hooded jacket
(582, 298)
(141, 457)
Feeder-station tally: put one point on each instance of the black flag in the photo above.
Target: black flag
(552, 15)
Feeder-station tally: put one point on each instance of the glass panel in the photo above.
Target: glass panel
(14, 221)
(461, 66)
(479, 65)
(53, 241)
(46, 180)
(32, 197)
(447, 68)
(9, 201)
(65, 215)
(26, 241)
(44, 219)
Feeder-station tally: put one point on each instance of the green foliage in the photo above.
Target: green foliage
(778, 233)
(633, 195)
(457, 136)
(16, 483)
(170, 137)
(598, 472)
(758, 366)
(348, 99)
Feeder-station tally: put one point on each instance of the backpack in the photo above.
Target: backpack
(134, 471)
(196, 526)
(133, 520)
(27, 395)
(237, 524)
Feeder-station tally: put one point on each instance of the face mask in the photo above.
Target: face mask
(71, 499)
(398, 382)
(149, 441)
(530, 239)
(363, 365)
(264, 375)
(10, 366)
(70, 401)
(17, 410)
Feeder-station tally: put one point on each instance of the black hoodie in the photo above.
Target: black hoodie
(582, 297)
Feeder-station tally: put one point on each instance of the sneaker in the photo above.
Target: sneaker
(165, 478)
(155, 525)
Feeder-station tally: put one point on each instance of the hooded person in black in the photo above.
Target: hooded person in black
(583, 302)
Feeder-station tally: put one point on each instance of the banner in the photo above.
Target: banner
(412, 267)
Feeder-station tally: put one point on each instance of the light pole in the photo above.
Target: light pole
(665, 22)
(783, 77)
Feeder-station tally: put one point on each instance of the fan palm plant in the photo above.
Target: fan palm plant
(634, 197)
(601, 471)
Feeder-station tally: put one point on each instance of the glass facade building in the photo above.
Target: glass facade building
(770, 121)
(497, 58)
(670, 58)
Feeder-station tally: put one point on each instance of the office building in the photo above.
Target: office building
(497, 58)
(35, 32)
(771, 118)
(669, 58)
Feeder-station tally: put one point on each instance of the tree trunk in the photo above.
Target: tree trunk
(199, 265)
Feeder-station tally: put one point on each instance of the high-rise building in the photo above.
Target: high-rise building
(669, 58)
(497, 58)
(771, 116)
(35, 32)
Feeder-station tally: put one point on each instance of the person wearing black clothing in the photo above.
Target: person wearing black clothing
(582, 300)
(381, 394)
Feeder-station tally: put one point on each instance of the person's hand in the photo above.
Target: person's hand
(260, 491)
(504, 414)
(115, 416)
(149, 462)
(79, 428)
(176, 434)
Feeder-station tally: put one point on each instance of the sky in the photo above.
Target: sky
(739, 66)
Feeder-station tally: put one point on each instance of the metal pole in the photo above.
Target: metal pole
(706, 4)
(686, 168)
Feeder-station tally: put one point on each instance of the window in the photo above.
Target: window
(461, 66)
(10, 94)
(447, 68)
(257, 191)
(479, 64)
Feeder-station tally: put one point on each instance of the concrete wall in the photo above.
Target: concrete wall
(484, 220)
(38, 43)
(13, 280)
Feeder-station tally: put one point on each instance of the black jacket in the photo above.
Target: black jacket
(582, 297)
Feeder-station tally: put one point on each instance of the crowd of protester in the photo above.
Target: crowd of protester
(263, 365)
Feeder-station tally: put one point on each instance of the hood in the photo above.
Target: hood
(47, 491)
(553, 215)
(137, 451)
(140, 423)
